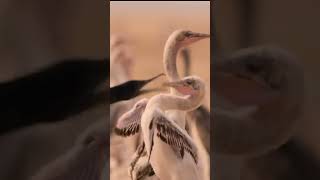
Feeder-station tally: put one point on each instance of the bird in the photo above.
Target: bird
(58, 91)
(62, 99)
(159, 131)
(292, 159)
(84, 160)
(52, 93)
(263, 91)
(198, 123)
(121, 66)
(120, 92)
(202, 127)
(250, 133)
(177, 40)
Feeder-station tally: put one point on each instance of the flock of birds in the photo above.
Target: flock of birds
(165, 149)
(258, 98)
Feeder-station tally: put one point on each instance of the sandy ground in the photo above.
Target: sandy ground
(147, 28)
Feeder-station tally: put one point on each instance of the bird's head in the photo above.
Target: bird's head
(141, 104)
(190, 85)
(257, 75)
(185, 37)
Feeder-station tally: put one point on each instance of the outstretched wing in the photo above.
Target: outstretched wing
(129, 123)
(170, 133)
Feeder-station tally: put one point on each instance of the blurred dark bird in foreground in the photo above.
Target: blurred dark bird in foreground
(264, 89)
(75, 92)
(53, 93)
(60, 91)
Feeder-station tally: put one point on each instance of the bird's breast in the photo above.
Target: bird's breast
(167, 165)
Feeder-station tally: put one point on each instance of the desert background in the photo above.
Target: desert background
(147, 25)
(33, 35)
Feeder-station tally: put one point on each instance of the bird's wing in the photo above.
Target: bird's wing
(129, 123)
(170, 133)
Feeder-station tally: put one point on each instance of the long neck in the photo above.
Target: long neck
(170, 57)
(172, 102)
(170, 67)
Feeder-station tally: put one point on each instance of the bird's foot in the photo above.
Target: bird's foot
(147, 171)
(141, 170)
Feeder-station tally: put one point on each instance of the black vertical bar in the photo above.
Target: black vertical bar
(107, 168)
(213, 55)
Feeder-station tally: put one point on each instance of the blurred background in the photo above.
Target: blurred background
(148, 24)
(287, 24)
(35, 33)
(292, 25)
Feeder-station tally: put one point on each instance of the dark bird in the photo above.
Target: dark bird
(53, 93)
(130, 89)
(67, 91)
(59, 91)
(260, 94)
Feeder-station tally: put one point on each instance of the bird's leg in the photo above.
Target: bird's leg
(142, 168)
(136, 157)
(145, 171)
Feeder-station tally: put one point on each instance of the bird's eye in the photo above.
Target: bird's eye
(189, 82)
(188, 34)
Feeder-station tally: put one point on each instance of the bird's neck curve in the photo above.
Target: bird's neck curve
(170, 58)
(173, 102)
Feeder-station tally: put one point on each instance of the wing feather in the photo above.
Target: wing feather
(170, 133)
(129, 123)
